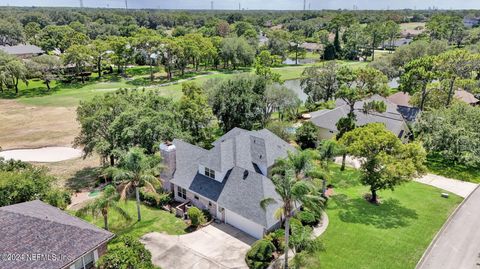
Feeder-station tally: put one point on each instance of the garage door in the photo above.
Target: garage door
(243, 224)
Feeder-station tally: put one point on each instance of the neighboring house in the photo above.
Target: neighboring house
(23, 51)
(466, 97)
(326, 120)
(397, 42)
(42, 236)
(312, 47)
(471, 22)
(402, 100)
(230, 180)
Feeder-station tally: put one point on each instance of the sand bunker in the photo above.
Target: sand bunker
(42, 155)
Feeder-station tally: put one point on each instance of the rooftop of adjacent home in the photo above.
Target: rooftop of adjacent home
(34, 227)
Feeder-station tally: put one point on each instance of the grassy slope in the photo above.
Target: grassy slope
(153, 220)
(390, 236)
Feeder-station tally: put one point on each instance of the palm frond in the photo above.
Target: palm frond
(125, 189)
(121, 212)
(279, 213)
(266, 202)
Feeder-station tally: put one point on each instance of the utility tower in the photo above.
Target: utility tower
(211, 5)
(304, 5)
(126, 4)
(81, 3)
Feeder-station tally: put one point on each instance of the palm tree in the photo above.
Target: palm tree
(299, 162)
(136, 169)
(293, 190)
(328, 150)
(107, 200)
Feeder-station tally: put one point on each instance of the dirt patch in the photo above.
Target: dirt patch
(76, 174)
(24, 126)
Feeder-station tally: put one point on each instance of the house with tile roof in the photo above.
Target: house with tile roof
(230, 179)
(326, 120)
(37, 235)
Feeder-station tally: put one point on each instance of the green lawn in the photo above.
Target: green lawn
(153, 220)
(64, 95)
(411, 25)
(393, 235)
(439, 166)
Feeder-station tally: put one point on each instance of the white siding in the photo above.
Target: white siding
(244, 224)
(325, 133)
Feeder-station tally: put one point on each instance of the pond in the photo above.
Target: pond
(43, 155)
(290, 61)
(295, 85)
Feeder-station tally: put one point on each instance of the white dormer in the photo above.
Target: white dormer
(211, 173)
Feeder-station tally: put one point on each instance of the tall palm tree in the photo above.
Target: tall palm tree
(136, 169)
(299, 162)
(328, 150)
(109, 199)
(293, 190)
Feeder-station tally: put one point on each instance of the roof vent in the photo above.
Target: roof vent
(245, 174)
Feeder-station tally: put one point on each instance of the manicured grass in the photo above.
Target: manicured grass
(69, 95)
(153, 220)
(411, 25)
(393, 235)
(439, 166)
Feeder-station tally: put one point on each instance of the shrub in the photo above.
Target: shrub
(58, 198)
(307, 135)
(22, 182)
(307, 218)
(207, 214)
(260, 255)
(277, 238)
(154, 199)
(281, 129)
(196, 216)
(126, 253)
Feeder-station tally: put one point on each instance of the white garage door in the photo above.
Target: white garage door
(243, 224)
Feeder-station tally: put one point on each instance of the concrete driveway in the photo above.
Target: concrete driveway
(217, 246)
(460, 188)
(457, 246)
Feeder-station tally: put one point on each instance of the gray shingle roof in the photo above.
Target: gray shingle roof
(37, 228)
(237, 157)
(242, 193)
(392, 119)
(21, 49)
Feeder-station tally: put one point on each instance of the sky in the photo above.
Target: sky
(256, 4)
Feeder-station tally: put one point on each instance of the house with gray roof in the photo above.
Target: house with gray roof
(230, 179)
(393, 120)
(22, 51)
(36, 235)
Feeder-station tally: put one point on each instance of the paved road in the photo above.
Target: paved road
(458, 244)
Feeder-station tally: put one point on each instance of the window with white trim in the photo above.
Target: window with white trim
(181, 192)
(210, 173)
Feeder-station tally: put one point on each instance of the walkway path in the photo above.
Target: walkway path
(457, 244)
(458, 187)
